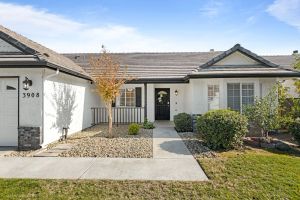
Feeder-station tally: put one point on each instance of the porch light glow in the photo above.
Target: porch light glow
(27, 83)
(176, 92)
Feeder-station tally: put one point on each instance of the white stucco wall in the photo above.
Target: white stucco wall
(30, 108)
(192, 97)
(177, 103)
(75, 96)
(200, 90)
(291, 88)
(150, 102)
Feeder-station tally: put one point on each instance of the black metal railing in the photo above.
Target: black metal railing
(120, 115)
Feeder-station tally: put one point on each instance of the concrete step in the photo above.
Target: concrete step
(55, 151)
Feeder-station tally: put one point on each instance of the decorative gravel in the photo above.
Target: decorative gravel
(94, 142)
(20, 154)
(196, 146)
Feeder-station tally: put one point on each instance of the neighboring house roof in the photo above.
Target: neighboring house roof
(179, 66)
(35, 55)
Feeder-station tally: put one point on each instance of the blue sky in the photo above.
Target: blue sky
(263, 26)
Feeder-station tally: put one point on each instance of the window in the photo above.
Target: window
(213, 97)
(127, 97)
(239, 94)
(10, 88)
(247, 94)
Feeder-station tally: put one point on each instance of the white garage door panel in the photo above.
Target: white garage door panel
(8, 111)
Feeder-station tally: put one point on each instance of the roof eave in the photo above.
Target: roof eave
(41, 64)
(246, 75)
(158, 80)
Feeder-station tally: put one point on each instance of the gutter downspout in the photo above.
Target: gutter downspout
(43, 105)
(52, 75)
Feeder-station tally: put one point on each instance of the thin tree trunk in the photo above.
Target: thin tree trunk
(262, 132)
(109, 106)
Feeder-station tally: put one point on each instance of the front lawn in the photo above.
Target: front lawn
(254, 174)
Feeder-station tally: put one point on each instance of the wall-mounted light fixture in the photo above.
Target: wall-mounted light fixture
(176, 92)
(27, 83)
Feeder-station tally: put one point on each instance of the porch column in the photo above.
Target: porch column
(150, 102)
(145, 101)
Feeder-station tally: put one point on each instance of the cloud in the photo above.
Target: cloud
(286, 11)
(212, 8)
(251, 19)
(67, 35)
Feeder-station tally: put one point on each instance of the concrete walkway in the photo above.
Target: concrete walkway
(171, 161)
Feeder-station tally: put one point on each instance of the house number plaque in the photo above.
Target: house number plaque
(31, 95)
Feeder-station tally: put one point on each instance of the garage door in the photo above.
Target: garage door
(8, 111)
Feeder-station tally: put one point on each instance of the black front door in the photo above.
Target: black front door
(162, 104)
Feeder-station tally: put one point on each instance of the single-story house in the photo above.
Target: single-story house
(194, 82)
(44, 94)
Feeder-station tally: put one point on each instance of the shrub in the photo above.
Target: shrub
(294, 129)
(285, 122)
(133, 129)
(148, 125)
(222, 129)
(183, 122)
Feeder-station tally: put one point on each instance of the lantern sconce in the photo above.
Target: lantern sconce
(27, 83)
(176, 92)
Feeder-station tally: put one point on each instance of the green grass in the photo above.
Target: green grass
(234, 175)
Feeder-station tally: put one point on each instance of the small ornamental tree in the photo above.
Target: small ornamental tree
(264, 113)
(108, 77)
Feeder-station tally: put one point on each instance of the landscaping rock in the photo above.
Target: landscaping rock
(95, 142)
(196, 146)
(282, 146)
(268, 145)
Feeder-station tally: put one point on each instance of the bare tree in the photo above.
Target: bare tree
(109, 77)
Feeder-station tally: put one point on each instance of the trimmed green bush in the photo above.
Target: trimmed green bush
(183, 122)
(148, 125)
(222, 129)
(294, 129)
(133, 129)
